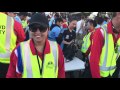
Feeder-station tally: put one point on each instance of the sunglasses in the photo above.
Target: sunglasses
(41, 28)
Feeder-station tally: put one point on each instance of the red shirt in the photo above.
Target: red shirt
(64, 25)
(19, 32)
(96, 49)
(13, 61)
(91, 38)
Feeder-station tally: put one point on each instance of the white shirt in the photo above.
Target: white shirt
(79, 26)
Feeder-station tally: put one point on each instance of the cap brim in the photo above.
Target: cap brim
(34, 23)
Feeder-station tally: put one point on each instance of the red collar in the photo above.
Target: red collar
(47, 47)
(110, 29)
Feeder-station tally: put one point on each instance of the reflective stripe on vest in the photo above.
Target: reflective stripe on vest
(5, 55)
(106, 51)
(104, 68)
(107, 68)
(29, 68)
(28, 60)
(55, 54)
(7, 44)
(108, 56)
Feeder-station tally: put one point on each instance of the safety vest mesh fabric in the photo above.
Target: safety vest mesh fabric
(30, 63)
(108, 55)
(7, 38)
(86, 43)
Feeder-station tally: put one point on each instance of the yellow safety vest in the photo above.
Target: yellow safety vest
(7, 37)
(86, 43)
(30, 63)
(109, 54)
(24, 23)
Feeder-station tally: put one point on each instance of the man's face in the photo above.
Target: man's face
(73, 24)
(59, 23)
(23, 17)
(38, 35)
(117, 18)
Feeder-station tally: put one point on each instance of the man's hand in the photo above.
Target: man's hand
(71, 42)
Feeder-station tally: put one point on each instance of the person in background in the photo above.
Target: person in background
(23, 16)
(105, 49)
(65, 24)
(55, 30)
(80, 26)
(11, 33)
(80, 31)
(86, 47)
(106, 20)
(99, 21)
(69, 35)
(15, 16)
(52, 20)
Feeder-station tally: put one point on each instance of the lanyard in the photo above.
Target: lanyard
(40, 69)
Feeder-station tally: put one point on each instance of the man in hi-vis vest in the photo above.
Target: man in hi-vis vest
(11, 33)
(37, 57)
(106, 49)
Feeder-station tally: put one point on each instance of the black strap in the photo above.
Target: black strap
(40, 69)
(117, 71)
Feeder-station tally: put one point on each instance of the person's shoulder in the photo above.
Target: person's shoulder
(98, 32)
(17, 46)
(17, 24)
(16, 17)
(25, 42)
(82, 21)
(79, 21)
(28, 41)
(55, 29)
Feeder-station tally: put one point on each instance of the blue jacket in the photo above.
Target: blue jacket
(53, 34)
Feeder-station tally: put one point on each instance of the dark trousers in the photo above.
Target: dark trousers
(107, 77)
(87, 72)
(3, 70)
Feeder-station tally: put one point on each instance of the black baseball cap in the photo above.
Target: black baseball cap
(39, 19)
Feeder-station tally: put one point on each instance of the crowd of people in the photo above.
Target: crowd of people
(37, 46)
